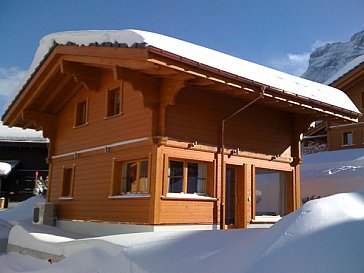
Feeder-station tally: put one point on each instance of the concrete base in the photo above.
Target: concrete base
(34, 253)
(104, 229)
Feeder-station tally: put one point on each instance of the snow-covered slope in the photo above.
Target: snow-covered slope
(325, 61)
(325, 235)
(332, 172)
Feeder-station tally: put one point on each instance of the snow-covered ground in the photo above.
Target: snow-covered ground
(325, 235)
(327, 173)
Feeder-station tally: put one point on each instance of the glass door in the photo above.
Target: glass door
(230, 200)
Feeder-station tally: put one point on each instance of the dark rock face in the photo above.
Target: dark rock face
(326, 60)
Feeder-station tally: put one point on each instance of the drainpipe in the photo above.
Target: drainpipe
(223, 197)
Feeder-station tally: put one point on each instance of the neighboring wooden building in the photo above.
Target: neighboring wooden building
(22, 154)
(334, 135)
(149, 130)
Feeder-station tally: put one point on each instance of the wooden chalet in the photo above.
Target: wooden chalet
(147, 131)
(336, 135)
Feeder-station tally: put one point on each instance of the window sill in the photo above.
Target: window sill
(65, 198)
(80, 126)
(114, 116)
(266, 219)
(347, 145)
(188, 196)
(131, 195)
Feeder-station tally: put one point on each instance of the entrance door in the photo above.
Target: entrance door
(230, 201)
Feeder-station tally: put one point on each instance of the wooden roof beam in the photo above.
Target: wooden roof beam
(80, 74)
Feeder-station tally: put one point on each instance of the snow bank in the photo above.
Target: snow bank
(23, 212)
(328, 173)
(325, 235)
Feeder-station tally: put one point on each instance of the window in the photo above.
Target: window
(348, 138)
(130, 177)
(187, 177)
(362, 100)
(67, 181)
(81, 113)
(114, 102)
(270, 192)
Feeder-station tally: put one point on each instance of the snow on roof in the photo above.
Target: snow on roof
(346, 69)
(199, 54)
(20, 135)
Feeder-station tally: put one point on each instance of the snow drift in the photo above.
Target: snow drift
(325, 235)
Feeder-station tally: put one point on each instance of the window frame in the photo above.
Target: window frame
(209, 190)
(345, 139)
(287, 206)
(110, 99)
(116, 190)
(67, 193)
(76, 123)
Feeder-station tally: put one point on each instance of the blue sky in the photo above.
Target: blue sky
(276, 33)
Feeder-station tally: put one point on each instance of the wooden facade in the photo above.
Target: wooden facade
(341, 136)
(107, 111)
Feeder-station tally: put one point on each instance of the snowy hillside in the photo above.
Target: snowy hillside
(325, 61)
(328, 173)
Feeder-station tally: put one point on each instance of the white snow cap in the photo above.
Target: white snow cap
(202, 55)
(346, 69)
(5, 168)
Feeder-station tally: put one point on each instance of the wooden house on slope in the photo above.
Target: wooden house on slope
(148, 131)
(337, 136)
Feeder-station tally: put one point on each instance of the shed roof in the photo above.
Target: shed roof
(208, 57)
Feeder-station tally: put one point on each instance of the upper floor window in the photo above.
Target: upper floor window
(348, 138)
(114, 102)
(187, 177)
(81, 113)
(130, 177)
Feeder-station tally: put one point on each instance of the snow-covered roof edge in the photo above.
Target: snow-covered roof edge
(199, 54)
(21, 135)
(345, 69)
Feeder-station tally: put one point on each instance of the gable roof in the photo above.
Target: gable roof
(205, 57)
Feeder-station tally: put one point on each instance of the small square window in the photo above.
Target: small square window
(67, 182)
(348, 138)
(81, 113)
(130, 177)
(114, 102)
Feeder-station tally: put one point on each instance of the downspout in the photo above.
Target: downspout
(222, 151)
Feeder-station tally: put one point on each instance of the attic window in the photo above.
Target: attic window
(81, 113)
(114, 102)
